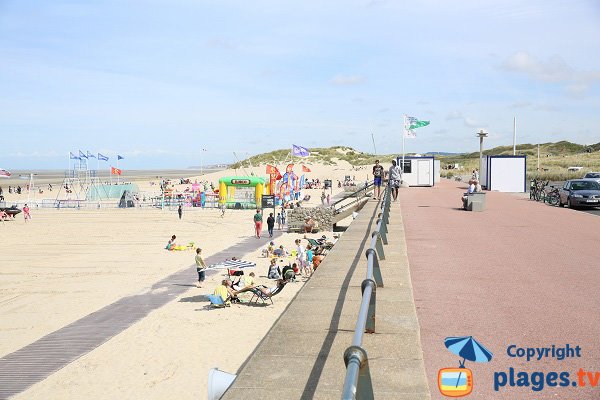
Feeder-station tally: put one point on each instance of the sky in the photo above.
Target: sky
(176, 83)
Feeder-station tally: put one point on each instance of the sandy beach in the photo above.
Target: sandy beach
(65, 264)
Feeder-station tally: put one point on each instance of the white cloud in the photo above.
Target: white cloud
(454, 115)
(35, 154)
(520, 104)
(471, 122)
(554, 70)
(348, 80)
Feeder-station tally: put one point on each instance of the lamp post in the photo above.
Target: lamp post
(201, 151)
(481, 134)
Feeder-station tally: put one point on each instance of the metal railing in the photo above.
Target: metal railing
(357, 384)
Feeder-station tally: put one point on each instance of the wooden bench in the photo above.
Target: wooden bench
(474, 201)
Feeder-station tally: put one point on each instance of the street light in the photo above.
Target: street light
(201, 150)
(481, 134)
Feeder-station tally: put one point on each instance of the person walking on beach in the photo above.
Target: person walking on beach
(270, 224)
(258, 219)
(200, 267)
(283, 215)
(328, 199)
(323, 197)
(180, 211)
(26, 213)
(395, 178)
(377, 178)
(279, 223)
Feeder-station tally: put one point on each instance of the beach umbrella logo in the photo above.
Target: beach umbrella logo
(458, 382)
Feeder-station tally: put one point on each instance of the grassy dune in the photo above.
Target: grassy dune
(554, 159)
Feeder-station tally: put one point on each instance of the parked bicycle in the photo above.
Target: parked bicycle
(537, 190)
(552, 197)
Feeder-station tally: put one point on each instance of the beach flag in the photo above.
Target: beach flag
(81, 155)
(300, 151)
(115, 171)
(271, 170)
(411, 123)
(102, 158)
(90, 155)
(73, 156)
(120, 157)
(418, 124)
(305, 168)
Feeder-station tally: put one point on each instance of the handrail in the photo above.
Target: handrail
(365, 188)
(357, 384)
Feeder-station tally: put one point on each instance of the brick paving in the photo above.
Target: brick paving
(520, 272)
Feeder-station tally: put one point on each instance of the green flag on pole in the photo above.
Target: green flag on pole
(418, 124)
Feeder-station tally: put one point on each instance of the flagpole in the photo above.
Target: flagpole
(514, 136)
(118, 175)
(403, 134)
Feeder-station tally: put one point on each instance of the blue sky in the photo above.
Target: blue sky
(157, 81)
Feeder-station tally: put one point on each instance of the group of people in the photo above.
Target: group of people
(271, 220)
(4, 216)
(305, 261)
(394, 175)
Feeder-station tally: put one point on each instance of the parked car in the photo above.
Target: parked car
(580, 193)
(593, 175)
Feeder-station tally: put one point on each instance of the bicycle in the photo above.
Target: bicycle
(540, 194)
(533, 189)
(553, 197)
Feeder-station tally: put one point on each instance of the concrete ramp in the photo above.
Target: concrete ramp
(302, 355)
(348, 210)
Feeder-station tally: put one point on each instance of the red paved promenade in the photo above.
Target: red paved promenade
(520, 273)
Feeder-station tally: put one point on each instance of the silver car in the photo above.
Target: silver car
(580, 193)
(593, 175)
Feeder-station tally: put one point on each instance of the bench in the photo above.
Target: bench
(474, 201)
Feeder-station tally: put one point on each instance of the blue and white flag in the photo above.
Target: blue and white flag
(73, 156)
(102, 158)
(120, 157)
(300, 151)
(81, 155)
(90, 155)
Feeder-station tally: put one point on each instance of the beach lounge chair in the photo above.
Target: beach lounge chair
(257, 294)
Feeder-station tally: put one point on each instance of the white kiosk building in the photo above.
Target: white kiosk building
(504, 173)
(419, 171)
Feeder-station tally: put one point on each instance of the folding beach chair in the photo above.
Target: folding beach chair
(257, 294)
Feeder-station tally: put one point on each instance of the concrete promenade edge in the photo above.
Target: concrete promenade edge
(301, 357)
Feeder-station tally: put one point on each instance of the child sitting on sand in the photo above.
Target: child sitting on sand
(171, 244)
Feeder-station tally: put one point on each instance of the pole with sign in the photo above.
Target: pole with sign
(268, 201)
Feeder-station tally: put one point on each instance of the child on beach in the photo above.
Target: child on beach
(171, 243)
(300, 255)
(279, 221)
(26, 213)
(200, 267)
(309, 261)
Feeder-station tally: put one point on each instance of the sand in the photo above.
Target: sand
(65, 264)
